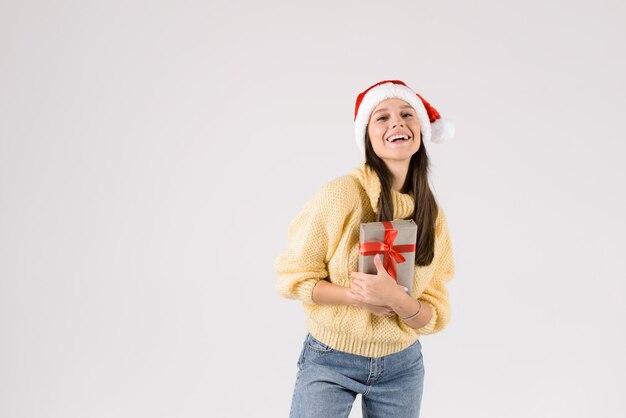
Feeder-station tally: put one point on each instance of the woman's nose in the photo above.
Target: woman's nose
(397, 122)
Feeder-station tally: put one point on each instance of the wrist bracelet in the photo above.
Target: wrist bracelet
(415, 314)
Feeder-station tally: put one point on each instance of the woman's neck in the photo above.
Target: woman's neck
(398, 170)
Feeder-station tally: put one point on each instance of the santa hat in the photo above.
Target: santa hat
(433, 127)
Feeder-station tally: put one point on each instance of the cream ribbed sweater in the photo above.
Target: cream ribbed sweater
(323, 241)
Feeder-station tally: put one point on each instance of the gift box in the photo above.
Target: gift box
(395, 242)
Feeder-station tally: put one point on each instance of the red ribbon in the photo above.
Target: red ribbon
(390, 252)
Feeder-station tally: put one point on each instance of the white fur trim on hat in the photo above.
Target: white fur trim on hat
(442, 131)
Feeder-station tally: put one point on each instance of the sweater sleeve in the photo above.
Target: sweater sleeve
(312, 238)
(436, 292)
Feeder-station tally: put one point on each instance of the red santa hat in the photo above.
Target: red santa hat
(433, 127)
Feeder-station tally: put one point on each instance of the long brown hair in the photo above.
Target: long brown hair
(416, 183)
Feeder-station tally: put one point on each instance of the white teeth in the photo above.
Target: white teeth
(391, 138)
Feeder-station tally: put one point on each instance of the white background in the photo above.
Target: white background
(153, 153)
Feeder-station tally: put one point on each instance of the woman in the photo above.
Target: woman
(364, 329)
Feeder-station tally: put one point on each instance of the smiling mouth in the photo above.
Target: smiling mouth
(398, 138)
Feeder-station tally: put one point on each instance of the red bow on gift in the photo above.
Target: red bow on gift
(390, 252)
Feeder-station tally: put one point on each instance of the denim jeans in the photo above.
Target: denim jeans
(328, 381)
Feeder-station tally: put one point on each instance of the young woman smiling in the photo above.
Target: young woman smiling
(364, 329)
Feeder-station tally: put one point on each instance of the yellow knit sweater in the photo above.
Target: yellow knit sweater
(323, 241)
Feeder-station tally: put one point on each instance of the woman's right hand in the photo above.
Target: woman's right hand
(325, 292)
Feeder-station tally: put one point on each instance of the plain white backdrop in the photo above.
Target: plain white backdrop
(152, 155)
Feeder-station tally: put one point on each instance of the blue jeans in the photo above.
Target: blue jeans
(328, 381)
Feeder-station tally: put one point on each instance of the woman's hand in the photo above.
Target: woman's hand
(375, 289)
(325, 292)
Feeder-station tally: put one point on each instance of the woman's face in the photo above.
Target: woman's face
(392, 118)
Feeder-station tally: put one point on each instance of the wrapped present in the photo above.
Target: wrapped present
(395, 242)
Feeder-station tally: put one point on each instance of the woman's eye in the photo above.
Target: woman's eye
(382, 118)
(407, 114)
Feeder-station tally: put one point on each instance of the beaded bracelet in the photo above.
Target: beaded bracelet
(415, 314)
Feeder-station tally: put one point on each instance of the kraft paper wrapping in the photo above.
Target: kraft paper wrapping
(374, 232)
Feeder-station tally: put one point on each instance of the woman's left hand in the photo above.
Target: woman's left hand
(375, 289)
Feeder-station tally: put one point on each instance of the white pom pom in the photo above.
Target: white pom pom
(442, 131)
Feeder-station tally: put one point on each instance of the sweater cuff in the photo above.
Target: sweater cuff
(304, 291)
(430, 326)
